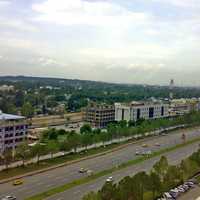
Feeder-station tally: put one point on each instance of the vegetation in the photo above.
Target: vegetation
(161, 178)
(44, 94)
(53, 141)
(88, 179)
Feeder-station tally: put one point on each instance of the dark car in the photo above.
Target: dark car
(9, 198)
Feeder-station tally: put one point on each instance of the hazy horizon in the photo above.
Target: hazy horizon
(115, 41)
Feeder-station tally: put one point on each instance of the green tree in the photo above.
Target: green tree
(91, 196)
(108, 192)
(7, 157)
(74, 140)
(52, 147)
(38, 150)
(86, 139)
(161, 167)
(86, 128)
(155, 184)
(27, 110)
(126, 188)
(23, 152)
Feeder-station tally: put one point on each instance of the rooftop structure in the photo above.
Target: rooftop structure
(100, 115)
(140, 110)
(13, 130)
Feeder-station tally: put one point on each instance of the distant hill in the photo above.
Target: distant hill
(95, 89)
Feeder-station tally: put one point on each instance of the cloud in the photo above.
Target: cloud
(18, 25)
(78, 12)
(4, 3)
(180, 3)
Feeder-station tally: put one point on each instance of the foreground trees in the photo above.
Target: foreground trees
(161, 178)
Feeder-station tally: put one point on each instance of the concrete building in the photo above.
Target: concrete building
(13, 130)
(6, 88)
(183, 106)
(140, 110)
(99, 116)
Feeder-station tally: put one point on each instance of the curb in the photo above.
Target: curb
(78, 160)
(75, 161)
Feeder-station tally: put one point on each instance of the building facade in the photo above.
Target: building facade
(13, 130)
(99, 116)
(184, 106)
(139, 110)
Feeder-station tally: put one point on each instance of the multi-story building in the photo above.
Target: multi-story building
(99, 116)
(140, 110)
(13, 130)
(183, 106)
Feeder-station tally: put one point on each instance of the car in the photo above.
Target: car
(144, 145)
(168, 196)
(9, 198)
(180, 189)
(83, 170)
(186, 187)
(137, 153)
(146, 153)
(90, 172)
(18, 182)
(109, 179)
(157, 144)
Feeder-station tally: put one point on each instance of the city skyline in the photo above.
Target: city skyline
(140, 41)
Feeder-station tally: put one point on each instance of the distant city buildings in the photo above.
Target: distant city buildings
(6, 88)
(99, 116)
(13, 130)
(141, 110)
(183, 106)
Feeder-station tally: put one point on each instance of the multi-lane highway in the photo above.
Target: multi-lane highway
(77, 193)
(42, 182)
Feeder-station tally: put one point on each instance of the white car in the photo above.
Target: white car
(109, 179)
(9, 198)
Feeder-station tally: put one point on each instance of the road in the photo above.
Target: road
(77, 193)
(42, 182)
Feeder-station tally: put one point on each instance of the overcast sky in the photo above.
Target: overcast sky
(127, 41)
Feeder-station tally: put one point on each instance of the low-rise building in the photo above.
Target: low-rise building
(6, 88)
(99, 116)
(13, 130)
(140, 110)
(184, 106)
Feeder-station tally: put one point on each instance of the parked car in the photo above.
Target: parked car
(9, 198)
(168, 196)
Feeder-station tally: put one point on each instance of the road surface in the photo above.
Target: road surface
(77, 193)
(42, 182)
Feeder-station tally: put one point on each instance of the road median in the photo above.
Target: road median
(85, 180)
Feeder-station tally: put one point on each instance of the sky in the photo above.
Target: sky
(122, 41)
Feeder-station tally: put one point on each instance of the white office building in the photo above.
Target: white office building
(13, 130)
(141, 110)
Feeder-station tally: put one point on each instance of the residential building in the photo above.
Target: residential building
(140, 110)
(99, 116)
(13, 130)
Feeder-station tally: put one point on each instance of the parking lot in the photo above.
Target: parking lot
(193, 194)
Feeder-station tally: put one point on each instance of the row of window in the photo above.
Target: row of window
(12, 141)
(11, 128)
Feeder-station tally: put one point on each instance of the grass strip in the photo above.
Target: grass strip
(29, 168)
(84, 180)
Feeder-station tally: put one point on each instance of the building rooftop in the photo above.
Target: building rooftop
(4, 116)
